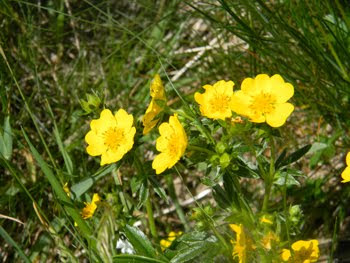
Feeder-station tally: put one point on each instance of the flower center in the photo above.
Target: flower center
(113, 137)
(173, 146)
(219, 103)
(263, 103)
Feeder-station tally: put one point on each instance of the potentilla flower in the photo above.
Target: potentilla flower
(243, 244)
(172, 144)
(264, 219)
(303, 252)
(346, 173)
(90, 208)
(66, 189)
(111, 136)
(165, 243)
(215, 101)
(269, 239)
(264, 99)
(157, 92)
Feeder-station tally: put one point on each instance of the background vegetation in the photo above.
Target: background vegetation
(54, 53)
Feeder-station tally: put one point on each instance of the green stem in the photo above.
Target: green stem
(197, 123)
(200, 149)
(150, 215)
(176, 202)
(286, 214)
(270, 176)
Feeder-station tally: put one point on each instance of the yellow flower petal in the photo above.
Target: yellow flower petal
(150, 119)
(161, 162)
(124, 120)
(157, 88)
(95, 198)
(164, 244)
(280, 114)
(281, 90)
(105, 121)
(95, 142)
(346, 175)
(286, 254)
(265, 220)
(348, 159)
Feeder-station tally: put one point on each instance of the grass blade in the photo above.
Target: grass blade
(13, 243)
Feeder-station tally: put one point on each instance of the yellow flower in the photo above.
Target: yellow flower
(265, 220)
(66, 189)
(269, 239)
(150, 119)
(264, 99)
(215, 101)
(172, 144)
(90, 208)
(242, 245)
(303, 252)
(165, 243)
(111, 136)
(346, 173)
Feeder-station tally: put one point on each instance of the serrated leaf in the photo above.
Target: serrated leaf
(286, 179)
(191, 252)
(140, 242)
(143, 194)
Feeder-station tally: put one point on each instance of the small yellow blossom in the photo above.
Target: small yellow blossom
(303, 252)
(237, 119)
(150, 119)
(243, 244)
(264, 99)
(215, 101)
(66, 189)
(269, 239)
(172, 144)
(165, 243)
(265, 220)
(111, 136)
(90, 208)
(346, 173)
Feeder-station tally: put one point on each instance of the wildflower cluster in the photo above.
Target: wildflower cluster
(225, 128)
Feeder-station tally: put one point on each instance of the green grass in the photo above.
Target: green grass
(57, 52)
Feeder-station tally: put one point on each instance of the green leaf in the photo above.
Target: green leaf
(158, 188)
(285, 178)
(13, 243)
(6, 140)
(143, 194)
(140, 242)
(58, 189)
(136, 259)
(66, 158)
(84, 185)
(192, 251)
(295, 156)
(317, 146)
